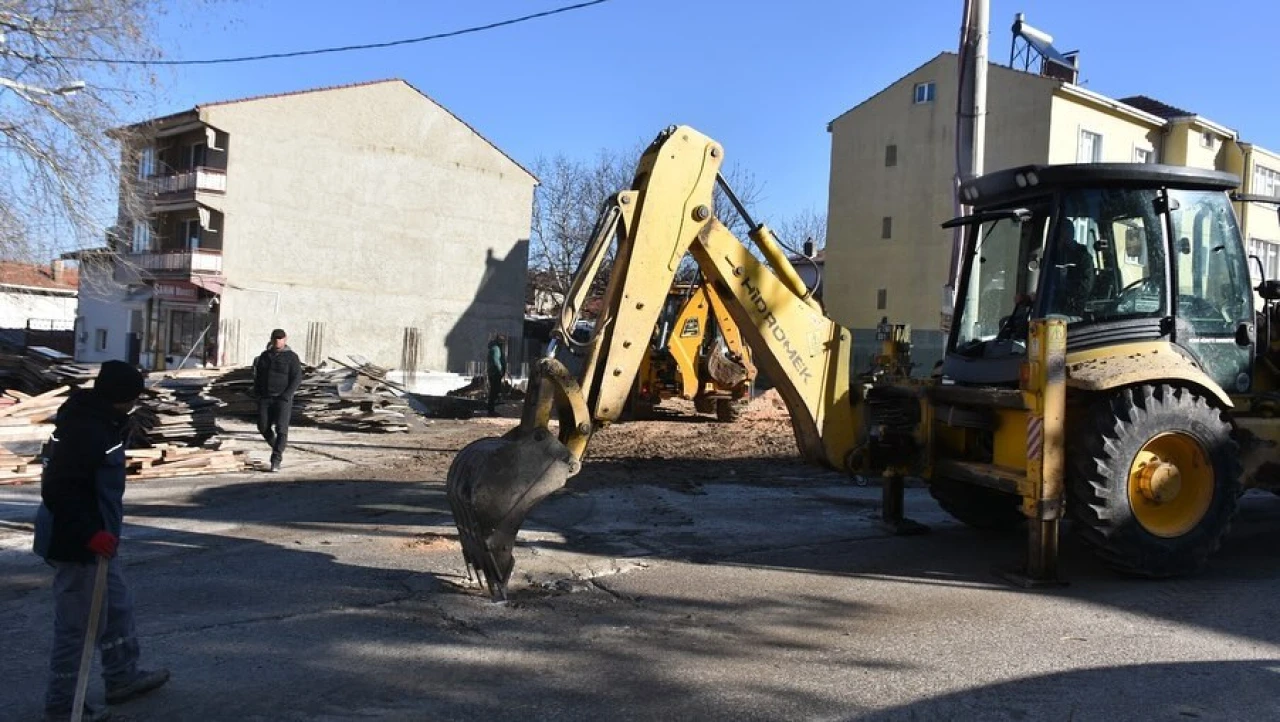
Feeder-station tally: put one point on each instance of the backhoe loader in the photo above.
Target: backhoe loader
(696, 353)
(1101, 364)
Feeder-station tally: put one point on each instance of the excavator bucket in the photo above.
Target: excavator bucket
(492, 484)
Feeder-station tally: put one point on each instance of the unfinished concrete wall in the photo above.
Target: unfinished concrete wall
(369, 220)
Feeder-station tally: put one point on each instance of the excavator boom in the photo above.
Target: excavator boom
(668, 213)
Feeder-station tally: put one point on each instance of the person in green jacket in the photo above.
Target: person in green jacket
(497, 368)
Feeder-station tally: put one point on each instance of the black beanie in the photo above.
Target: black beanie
(118, 382)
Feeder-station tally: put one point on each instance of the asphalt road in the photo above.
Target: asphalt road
(325, 594)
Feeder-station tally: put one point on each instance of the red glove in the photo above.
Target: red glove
(103, 544)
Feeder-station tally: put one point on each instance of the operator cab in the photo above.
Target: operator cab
(1123, 252)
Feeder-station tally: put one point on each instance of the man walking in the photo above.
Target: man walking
(277, 374)
(497, 367)
(79, 520)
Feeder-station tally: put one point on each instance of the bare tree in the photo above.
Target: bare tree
(569, 199)
(60, 178)
(797, 229)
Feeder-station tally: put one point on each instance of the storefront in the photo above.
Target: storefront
(182, 324)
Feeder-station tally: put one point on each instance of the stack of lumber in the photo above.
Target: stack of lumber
(165, 461)
(347, 397)
(16, 469)
(177, 409)
(29, 418)
(41, 369)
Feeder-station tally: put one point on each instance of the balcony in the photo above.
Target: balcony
(175, 264)
(202, 179)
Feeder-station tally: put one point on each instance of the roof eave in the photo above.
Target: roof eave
(1080, 93)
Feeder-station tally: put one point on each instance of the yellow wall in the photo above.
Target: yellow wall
(1121, 132)
(1258, 221)
(1183, 143)
(917, 193)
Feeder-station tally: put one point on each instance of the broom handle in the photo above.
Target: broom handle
(91, 636)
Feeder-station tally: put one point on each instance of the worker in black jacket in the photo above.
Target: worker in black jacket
(277, 374)
(79, 520)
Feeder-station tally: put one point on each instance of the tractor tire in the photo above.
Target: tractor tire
(977, 506)
(1153, 479)
(728, 410)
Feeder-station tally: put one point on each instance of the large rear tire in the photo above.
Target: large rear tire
(977, 506)
(1153, 479)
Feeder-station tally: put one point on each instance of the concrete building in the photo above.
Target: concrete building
(37, 303)
(364, 219)
(893, 158)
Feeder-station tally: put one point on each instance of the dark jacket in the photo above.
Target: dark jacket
(82, 488)
(277, 374)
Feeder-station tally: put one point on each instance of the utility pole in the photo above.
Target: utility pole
(971, 129)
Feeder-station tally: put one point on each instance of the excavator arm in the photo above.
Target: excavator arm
(668, 213)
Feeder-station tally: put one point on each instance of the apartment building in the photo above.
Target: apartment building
(363, 219)
(893, 158)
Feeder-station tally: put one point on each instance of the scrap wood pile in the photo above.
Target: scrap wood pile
(176, 421)
(176, 408)
(478, 390)
(345, 397)
(25, 422)
(41, 369)
(164, 461)
(175, 418)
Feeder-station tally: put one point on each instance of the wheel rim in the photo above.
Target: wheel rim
(1170, 484)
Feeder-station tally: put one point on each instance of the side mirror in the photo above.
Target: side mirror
(1269, 290)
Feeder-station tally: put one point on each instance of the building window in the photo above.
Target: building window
(890, 156)
(924, 92)
(182, 332)
(1206, 140)
(196, 155)
(882, 299)
(191, 233)
(1269, 254)
(141, 237)
(1135, 245)
(100, 339)
(886, 227)
(146, 163)
(1266, 182)
(1144, 155)
(1089, 149)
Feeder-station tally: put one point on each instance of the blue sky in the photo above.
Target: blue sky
(764, 78)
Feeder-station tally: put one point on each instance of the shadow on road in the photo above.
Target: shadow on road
(1235, 690)
(337, 617)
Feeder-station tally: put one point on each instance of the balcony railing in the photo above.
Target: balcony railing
(177, 263)
(201, 179)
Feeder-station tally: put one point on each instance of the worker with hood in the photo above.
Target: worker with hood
(79, 521)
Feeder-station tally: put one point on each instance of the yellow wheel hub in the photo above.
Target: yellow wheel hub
(1170, 484)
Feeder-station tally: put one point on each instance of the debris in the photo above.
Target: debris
(346, 398)
(166, 460)
(178, 409)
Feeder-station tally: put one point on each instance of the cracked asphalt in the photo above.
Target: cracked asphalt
(335, 591)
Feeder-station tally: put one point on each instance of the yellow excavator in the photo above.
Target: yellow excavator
(1103, 363)
(696, 353)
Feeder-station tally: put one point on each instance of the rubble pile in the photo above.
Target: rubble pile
(345, 397)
